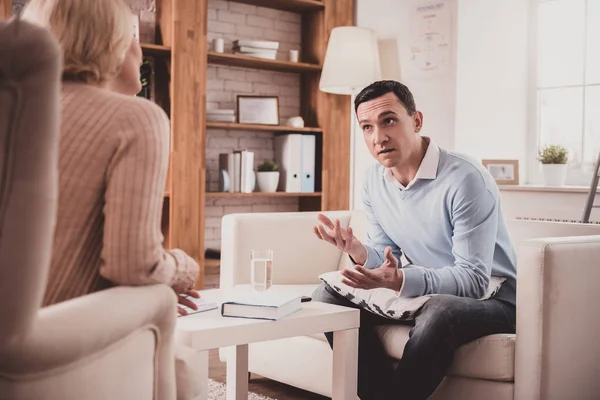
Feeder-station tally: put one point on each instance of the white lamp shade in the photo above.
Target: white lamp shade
(351, 61)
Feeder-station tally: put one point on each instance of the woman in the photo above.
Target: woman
(114, 151)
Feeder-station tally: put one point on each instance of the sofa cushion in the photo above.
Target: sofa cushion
(490, 357)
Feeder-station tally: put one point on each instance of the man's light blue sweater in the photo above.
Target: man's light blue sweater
(448, 222)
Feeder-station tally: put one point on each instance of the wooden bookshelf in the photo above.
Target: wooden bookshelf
(261, 194)
(244, 61)
(180, 85)
(259, 127)
(301, 6)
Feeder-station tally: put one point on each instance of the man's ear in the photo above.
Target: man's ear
(418, 121)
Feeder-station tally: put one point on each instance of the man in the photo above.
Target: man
(440, 209)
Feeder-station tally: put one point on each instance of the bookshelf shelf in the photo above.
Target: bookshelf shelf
(301, 6)
(258, 127)
(261, 194)
(155, 50)
(239, 60)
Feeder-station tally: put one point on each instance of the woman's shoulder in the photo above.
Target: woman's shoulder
(131, 113)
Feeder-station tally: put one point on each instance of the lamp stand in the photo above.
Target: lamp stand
(352, 166)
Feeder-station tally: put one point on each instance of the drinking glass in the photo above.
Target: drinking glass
(261, 269)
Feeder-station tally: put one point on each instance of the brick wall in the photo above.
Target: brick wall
(232, 21)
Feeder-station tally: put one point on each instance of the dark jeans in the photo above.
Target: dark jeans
(442, 325)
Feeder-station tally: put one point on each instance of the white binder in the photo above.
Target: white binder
(288, 154)
(308, 163)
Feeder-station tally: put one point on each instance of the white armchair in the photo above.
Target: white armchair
(115, 344)
(554, 355)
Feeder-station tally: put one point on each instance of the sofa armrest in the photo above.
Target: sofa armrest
(558, 323)
(75, 332)
(299, 257)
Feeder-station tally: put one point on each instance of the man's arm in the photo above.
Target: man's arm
(133, 252)
(475, 213)
(377, 238)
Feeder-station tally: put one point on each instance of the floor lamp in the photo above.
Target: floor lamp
(351, 63)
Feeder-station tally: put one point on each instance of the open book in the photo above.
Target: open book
(203, 305)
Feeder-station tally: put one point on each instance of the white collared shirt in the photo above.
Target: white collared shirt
(427, 169)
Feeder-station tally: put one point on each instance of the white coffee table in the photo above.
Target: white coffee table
(209, 330)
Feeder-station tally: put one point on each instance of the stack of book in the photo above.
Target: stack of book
(256, 48)
(220, 115)
(236, 172)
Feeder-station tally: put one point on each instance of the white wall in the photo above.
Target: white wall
(492, 79)
(434, 96)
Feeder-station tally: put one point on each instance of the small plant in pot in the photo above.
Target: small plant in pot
(554, 164)
(267, 176)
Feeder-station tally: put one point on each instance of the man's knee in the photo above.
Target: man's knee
(439, 314)
(324, 294)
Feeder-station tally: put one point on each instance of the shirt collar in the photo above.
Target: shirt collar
(427, 169)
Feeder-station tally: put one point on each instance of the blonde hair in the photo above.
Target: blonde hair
(94, 35)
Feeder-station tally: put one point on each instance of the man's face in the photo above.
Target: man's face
(389, 132)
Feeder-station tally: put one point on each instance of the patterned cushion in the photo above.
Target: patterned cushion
(384, 302)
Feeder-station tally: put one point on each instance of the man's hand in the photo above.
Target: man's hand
(387, 276)
(341, 238)
(183, 300)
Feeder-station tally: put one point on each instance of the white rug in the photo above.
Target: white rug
(218, 391)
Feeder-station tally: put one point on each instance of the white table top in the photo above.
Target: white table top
(209, 330)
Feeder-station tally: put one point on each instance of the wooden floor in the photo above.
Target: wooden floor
(257, 384)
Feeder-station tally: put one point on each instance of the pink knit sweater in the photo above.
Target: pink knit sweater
(114, 153)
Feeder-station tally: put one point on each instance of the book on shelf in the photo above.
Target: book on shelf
(256, 48)
(220, 118)
(220, 115)
(266, 54)
(236, 172)
(258, 44)
(260, 305)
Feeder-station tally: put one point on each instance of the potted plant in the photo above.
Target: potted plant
(554, 164)
(267, 176)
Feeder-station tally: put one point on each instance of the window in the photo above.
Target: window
(568, 81)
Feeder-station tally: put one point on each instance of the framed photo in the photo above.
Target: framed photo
(504, 172)
(258, 109)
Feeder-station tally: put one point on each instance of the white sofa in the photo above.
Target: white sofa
(558, 319)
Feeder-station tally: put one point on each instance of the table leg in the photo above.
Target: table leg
(345, 364)
(237, 373)
(202, 370)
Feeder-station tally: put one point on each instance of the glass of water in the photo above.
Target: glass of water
(261, 269)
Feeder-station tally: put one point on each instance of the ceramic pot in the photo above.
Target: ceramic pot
(554, 174)
(267, 181)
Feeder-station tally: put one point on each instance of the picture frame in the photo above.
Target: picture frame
(504, 172)
(262, 110)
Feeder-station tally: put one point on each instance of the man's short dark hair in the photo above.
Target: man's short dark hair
(380, 88)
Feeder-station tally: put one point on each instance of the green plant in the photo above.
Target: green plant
(553, 154)
(268, 166)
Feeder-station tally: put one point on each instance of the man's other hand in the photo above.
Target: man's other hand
(387, 276)
(341, 238)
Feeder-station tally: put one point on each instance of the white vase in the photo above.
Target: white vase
(554, 174)
(267, 181)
